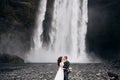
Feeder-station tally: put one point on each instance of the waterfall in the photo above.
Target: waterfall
(68, 32)
(39, 22)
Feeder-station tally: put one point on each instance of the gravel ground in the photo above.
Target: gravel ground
(47, 71)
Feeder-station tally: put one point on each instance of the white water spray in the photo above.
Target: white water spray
(69, 27)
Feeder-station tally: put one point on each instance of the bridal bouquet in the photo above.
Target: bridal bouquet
(69, 69)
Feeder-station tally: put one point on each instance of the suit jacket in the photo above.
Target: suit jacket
(66, 65)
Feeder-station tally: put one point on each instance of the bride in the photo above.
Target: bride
(60, 72)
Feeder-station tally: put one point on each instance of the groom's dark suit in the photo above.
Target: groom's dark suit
(66, 66)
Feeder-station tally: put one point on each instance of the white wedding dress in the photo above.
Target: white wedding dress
(60, 73)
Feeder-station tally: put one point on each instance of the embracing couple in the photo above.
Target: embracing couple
(63, 71)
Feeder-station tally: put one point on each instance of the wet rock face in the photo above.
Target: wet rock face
(103, 37)
(48, 71)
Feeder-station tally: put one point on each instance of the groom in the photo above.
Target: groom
(66, 67)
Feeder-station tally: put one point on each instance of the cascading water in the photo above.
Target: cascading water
(67, 36)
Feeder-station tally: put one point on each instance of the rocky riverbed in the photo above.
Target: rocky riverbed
(47, 71)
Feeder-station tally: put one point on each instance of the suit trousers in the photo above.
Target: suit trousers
(66, 75)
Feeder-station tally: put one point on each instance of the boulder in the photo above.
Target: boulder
(6, 58)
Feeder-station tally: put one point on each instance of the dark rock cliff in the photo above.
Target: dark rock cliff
(17, 18)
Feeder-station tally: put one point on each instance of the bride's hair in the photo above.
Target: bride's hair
(59, 60)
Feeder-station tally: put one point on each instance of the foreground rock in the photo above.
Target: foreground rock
(48, 71)
(6, 58)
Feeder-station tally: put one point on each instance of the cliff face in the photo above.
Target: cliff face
(18, 12)
(17, 18)
(103, 34)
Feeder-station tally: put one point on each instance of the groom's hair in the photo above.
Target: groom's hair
(65, 57)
